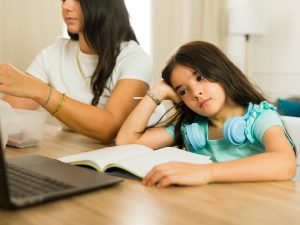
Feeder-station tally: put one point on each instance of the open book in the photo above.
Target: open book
(132, 160)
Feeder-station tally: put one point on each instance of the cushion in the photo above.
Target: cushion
(288, 107)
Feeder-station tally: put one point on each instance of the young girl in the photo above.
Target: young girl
(87, 82)
(219, 114)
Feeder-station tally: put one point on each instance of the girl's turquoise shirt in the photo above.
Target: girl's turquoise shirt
(262, 117)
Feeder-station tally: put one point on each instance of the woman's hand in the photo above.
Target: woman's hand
(165, 92)
(14, 82)
(178, 173)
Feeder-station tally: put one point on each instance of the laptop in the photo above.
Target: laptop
(292, 125)
(35, 179)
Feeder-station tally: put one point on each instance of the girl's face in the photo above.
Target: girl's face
(204, 97)
(72, 15)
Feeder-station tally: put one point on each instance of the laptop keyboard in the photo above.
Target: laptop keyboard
(25, 183)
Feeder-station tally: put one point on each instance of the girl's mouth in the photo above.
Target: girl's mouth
(204, 102)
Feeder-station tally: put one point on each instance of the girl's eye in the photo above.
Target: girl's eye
(199, 77)
(182, 92)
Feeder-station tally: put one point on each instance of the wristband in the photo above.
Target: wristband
(153, 97)
(48, 98)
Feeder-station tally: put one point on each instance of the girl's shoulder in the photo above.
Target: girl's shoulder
(261, 117)
(263, 109)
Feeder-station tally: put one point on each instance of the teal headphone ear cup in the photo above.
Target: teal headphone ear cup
(234, 130)
(194, 136)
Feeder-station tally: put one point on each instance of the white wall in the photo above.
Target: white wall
(273, 56)
(175, 22)
(1, 34)
(27, 26)
(140, 19)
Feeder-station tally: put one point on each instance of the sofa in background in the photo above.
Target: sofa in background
(289, 106)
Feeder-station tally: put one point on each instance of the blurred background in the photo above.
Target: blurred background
(260, 36)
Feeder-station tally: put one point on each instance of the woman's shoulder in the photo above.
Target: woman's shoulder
(130, 45)
(133, 63)
(61, 44)
(132, 48)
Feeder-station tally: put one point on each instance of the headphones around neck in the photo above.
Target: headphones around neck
(233, 130)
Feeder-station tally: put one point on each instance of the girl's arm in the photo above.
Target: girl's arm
(102, 124)
(277, 163)
(133, 129)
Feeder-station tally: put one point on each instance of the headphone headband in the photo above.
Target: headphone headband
(233, 130)
(249, 110)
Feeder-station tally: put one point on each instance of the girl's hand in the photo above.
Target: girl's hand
(14, 82)
(165, 92)
(178, 173)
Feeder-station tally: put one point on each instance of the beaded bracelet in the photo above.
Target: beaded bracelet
(48, 98)
(153, 97)
(60, 104)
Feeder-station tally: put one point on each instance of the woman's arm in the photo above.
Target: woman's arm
(133, 129)
(102, 124)
(21, 103)
(10, 85)
(277, 163)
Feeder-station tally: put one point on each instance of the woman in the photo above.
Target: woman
(87, 82)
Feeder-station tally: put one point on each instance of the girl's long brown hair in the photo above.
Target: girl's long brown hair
(212, 64)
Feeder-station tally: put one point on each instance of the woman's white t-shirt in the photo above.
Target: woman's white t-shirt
(58, 66)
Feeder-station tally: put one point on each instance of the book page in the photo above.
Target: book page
(141, 165)
(104, 156)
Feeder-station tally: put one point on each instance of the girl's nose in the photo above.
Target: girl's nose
(197, 94)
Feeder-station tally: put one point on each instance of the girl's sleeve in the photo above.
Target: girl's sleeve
(171, 131)
(265, 120)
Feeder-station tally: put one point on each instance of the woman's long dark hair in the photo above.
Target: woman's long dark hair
(212, 64)
(106, 26)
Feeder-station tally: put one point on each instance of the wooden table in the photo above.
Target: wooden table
(132, 203)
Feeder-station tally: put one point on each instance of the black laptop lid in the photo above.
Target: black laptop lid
(80, 179)
(4, 194)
